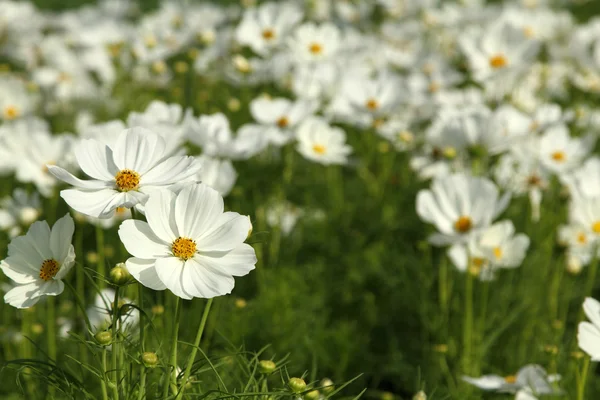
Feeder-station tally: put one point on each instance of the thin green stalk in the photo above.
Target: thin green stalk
(581, 382)
(51, 327)
(79, 301)
(101, 268)
(468, 323)
(173, 360)
(115, 367)
(481, 326)
(104, 376)
(142, 391)
(190, 363)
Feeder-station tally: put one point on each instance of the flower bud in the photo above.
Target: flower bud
(150, 359)
(158, 309)
(119, 274)
(266, 366)
(104, 337)
(327, 385)
(420, 396)
(297, 385)
(387, 396)
(312, 395)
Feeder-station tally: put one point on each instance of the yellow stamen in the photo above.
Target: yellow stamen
(596, 227)
(49, 269)
(582, 238)
(11, 112)
(559, 156)
(498, 61)
(315, 48)
(183, 248)
(498, 253)
(283, 122)
(510, 379)
(372, 104)
(127, 180)
(319, 148)
(268, 34)
(463, 224)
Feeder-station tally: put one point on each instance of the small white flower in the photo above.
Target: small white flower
(529, 379)
(38, 261)
(189, 244)
(123, 175)
(319, 142)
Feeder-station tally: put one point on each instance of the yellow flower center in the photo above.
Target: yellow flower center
(315, 48)
(11, 112)
(283, 122)
(498, 61)
(372, 104)
(150, 41)
(49, 269)
(433, 87)
(528, 32)
(121, 211)
(596, 227)
(534, 180)
(559, 156)
(406, 136)
(268, 34)
(510, 379)
(581, 238)
(45, 166)
(498, 253)
(184, 248)
(463, 224)
(127, 180)
(319, 149)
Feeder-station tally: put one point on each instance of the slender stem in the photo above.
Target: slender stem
(104, 376)
(581, 382)
(101, 268)
(142, 346)
(80, 287)
(115, 311)
(468, 323)
(173, 361)
(190, 363)
(79, 302)
(51, 327)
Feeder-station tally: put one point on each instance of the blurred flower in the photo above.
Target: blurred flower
(189, 245)
(588, 333)
(19, 211)
(38, 261)
(100, 314)
(322, 143)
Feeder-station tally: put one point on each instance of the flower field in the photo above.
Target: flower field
(305, 200)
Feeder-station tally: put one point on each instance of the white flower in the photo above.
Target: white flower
(529, 379)
(189, 245)
(123, 175)
(38, 261)
(319, 142)
(588, 333)
(19, 211)
(218, 174)
(15, 101)
(459, 206)
(312, 43)
(559, 152)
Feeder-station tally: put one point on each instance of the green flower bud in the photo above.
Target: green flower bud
(420, 396)
(104, 337)
(327, 385)
(150, 359)
(119, 274)
(266, 366)
(297, 385)
(312, 395)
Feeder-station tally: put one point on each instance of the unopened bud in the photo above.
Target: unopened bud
(119, 274)
(266, 366)
(387, 396)
(297, 385)
(150, 359)
(158, 309)
(420, 396)
(312, 395)
(104, 337)
(327, 385)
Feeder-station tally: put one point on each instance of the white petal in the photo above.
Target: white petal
(170, 272)
(23, 296)
(39, 239)
(197, 210)
(171, 170)
(525, 394)
(486, 382)
(159, 211)
(52, 288)
(140, 241)
(69, 178)
(204, 273)
(18, 276)
(67, 263)
(96, 160)
(238, 262)
(97, 204)
(61, 236)
(591, 307)
(588, 339)
(138, 149)
(231, 231)
(144, 272)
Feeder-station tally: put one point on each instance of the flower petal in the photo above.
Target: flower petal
(159, 211)
(140, 241)
(238, 262)
(171, 170)
(96, 160)
(23, 296)
(18, 275)
(231, 231)
(144, 272)
(170, 272)
(138, 149)
(197, 210)
(206, 277)
(69, 178)
(97, 203)
(61, 236)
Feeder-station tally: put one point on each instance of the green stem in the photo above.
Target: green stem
(79, 302)
(115, 313)
(142, 346)
(101, 268)
(583, 379)
(51, 328)
(468, 324)
(173, 361)
(104, 375)
(190, 363)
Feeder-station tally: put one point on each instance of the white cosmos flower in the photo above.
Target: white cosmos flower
(123, 175)
(319, 142)
(189, 245)
(38, 261)
(530, 379)
(588, 333)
